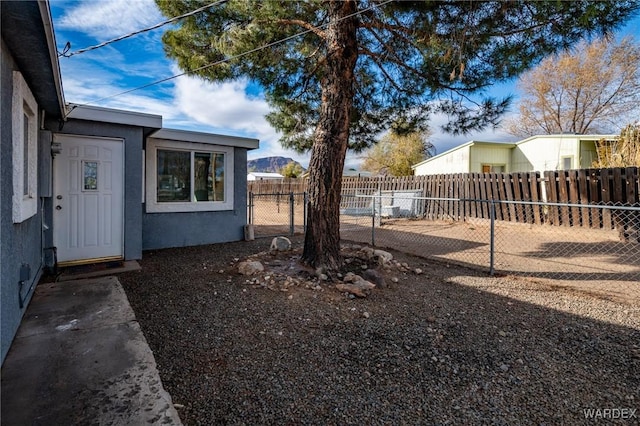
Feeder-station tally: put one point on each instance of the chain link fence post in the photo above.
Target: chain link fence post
(291, 214)
(374, 200)
(492, 236)
(250, 208)
(304, 212)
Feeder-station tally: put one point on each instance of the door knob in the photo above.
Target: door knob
(59, 197)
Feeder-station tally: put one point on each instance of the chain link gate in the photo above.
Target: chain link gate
(277, 214)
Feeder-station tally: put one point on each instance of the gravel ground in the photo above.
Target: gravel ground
(448, 346)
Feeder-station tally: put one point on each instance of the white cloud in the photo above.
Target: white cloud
(445, 141)
(227, 108)
(111, 18)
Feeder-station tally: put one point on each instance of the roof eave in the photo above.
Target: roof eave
(47, 22)
(208, 138)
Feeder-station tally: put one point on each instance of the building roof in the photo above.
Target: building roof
(266, 175)
(356, 173)
(595, 137)
(150, 122)
(507, 145)
(208, 138)
(27, 30)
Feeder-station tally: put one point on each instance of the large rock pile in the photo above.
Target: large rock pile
(364, 270)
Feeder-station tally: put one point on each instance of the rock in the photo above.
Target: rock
(504, 367)
(280, 244)
(384, 257)
(351, 277)
(323, 277)
(365, 314)
(368, 251)
(395, 279)
(375, 277)
(364, 267)
(364, 284)
(351, 289)
(418, 271)
(250, 267)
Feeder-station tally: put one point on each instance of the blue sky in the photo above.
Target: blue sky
(185, 102)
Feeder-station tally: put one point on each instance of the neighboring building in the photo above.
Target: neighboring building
(537, 153)
(356, 173)
(84, 184)
(472, 156)
(253, 176)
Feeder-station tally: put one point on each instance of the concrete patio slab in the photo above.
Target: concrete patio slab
(80, 358)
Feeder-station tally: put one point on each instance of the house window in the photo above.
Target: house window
(567, 163)
(183, 177)
(25, 150)
(493, 168)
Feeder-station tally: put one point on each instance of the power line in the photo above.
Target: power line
(240, 55)
(158, 25)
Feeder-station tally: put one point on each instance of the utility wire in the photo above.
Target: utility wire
(158, 25)
(240, 55)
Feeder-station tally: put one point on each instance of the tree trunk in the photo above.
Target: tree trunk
(322, 239)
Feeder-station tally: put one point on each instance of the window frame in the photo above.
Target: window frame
(563, 159)
(154, 206)
(25, 164)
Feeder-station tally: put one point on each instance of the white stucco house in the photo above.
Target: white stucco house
(537, 153)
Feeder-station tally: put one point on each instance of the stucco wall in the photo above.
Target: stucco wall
(20, 243)
(491, 155)
(456, 161)
(545, 153)
(163, 230)
(133, 138)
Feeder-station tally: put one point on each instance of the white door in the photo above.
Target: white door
(88, 198)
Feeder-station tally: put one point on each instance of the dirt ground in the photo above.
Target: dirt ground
(589, 260)
(442, 345)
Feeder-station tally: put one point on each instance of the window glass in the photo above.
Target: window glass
(174, 176)
(90, 176)
(218, 177)
(202, 181)
(208, 176)
(566, 163)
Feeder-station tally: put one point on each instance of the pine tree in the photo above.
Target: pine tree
(338, 72)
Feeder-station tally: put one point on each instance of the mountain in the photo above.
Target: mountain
(269, 164)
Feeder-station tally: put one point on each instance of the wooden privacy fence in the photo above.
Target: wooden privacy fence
(521, 197)
(616, 186)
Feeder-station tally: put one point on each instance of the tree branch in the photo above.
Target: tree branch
(303, 24)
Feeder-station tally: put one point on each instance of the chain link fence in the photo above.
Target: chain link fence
(576, 243)
(278, 213)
